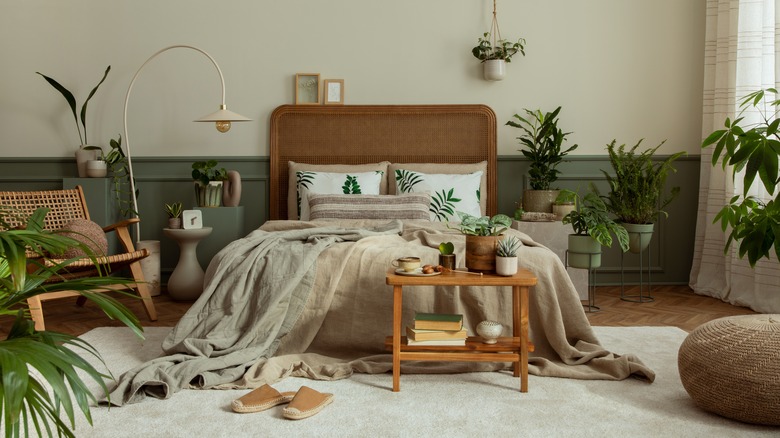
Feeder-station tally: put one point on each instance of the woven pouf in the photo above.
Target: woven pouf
(731, 367)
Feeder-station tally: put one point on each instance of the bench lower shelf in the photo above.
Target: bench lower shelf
(506, 349)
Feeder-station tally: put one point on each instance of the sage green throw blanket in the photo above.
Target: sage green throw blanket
(254, 291)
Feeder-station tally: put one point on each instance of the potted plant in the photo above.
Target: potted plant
(506, 256)
(495, 52)
(541, 143)
(173, 211)
(82, 155)
(447, 255)
(593, 228)
(754, 223)
(636, 194)
(208, 183)
(564, 203)
(482, 236)
(28, 406)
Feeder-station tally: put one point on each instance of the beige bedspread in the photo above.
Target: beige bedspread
(309, 299)
(343, 326)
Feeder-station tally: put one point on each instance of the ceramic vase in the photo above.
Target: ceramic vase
(494, 69)
(490, 331)
(506, 266)
(209, 195)
(231, 189)
(82, 156)
(97, 169)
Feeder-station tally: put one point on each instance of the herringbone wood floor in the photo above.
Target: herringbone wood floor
(673, 306)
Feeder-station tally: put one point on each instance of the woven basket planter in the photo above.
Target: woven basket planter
(731, 367)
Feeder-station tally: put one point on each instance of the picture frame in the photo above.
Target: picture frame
(191, 219)
(307, 89)
(333, 92)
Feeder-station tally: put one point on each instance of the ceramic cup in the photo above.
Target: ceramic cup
(408, 264)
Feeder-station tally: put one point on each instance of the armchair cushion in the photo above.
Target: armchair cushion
(88, 233)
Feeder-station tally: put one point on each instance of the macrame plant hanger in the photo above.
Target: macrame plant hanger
(495, 32)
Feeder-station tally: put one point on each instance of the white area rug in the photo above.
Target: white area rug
(460, 405)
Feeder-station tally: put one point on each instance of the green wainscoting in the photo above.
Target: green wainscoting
(163, 180)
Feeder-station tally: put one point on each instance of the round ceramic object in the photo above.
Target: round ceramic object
(490, 331)
(506, 266)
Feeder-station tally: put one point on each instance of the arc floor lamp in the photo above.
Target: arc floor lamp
(222, 118)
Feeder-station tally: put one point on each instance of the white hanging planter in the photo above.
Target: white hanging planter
(494, 69)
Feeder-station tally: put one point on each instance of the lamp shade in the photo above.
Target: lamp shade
(223, 115)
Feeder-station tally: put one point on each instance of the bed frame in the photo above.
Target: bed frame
(359, 134)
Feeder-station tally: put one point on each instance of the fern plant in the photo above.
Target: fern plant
(636, 189)
(508, 246)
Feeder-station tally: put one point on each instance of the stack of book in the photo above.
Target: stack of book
(436, 329)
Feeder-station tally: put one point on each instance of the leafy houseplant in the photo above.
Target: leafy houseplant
(636, 194)
(564, 203)
(447, 255)
(208, 182)
(752, 147)
(482, 236)
(40, 402)
(542, 144)
(593, 228)
(72, 103)
(488, 49)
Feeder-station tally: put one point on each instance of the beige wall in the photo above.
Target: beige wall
(625, 69)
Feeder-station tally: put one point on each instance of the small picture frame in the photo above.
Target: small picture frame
(191, 219)
(307, 89)
(333, 92)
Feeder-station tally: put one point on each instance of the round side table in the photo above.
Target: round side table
(186, 281)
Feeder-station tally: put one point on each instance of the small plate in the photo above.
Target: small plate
(416, 273)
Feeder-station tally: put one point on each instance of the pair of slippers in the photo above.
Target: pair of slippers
(302, 404)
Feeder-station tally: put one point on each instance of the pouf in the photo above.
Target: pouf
(731, 367)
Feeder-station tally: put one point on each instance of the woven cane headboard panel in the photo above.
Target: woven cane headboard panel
(359, 134)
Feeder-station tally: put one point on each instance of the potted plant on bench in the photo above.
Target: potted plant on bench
(482, 236)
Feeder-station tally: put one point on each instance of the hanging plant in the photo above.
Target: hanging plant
(495, 51)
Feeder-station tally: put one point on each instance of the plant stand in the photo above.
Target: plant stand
(591, 306)
(641, 297)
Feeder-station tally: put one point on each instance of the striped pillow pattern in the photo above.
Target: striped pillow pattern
(404, 206)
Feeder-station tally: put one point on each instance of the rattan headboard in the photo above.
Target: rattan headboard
(359, 134)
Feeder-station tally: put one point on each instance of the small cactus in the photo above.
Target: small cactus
(508, 246)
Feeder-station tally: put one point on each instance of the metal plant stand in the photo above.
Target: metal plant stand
(591, 306)
(641, 297)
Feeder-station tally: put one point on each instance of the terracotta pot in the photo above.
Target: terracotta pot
(481, 253)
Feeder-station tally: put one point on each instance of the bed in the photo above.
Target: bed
(306, 295)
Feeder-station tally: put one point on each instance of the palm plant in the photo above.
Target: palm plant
(34, 403)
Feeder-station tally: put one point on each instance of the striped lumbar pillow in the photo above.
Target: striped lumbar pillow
(404, 206)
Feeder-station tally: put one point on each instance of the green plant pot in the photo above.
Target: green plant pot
(639, 236)
(584, 252)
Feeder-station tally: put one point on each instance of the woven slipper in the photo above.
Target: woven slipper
(260, 399)
(306, 403)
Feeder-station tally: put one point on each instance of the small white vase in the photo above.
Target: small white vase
(494, 69)
(97, 169)
(490, 331)
(82, 156)
(506, 266)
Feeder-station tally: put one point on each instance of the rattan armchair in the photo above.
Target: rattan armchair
(64, 206)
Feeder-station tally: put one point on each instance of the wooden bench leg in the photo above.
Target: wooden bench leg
(144, 290)
(36, 312)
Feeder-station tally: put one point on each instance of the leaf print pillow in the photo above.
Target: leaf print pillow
(449, 193)
(325, 183)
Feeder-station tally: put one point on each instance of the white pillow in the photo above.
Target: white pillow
(365, 183)
(450, 193)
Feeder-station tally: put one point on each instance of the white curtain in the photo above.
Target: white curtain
(741, 56)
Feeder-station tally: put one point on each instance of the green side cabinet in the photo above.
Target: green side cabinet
(227, 225)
